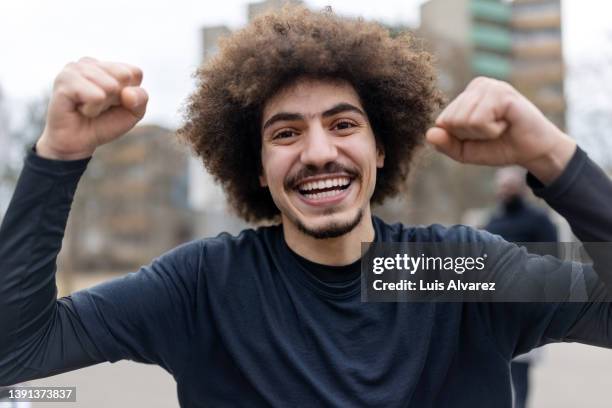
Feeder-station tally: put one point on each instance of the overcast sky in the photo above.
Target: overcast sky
(37, 37)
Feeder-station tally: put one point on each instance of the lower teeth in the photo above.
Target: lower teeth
(323, 194)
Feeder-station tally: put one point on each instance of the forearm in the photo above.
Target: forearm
(550, 166)
(582, 195)
(30, 239)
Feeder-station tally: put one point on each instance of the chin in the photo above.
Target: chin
(332, 227)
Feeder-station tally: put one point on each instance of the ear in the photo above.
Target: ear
(380, 157)
(262, 180)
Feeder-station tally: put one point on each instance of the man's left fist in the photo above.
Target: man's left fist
(491, 123)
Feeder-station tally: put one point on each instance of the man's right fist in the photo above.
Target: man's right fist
(93, 103)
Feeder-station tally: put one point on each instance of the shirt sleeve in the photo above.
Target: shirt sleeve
(136, 317)
(582, 195)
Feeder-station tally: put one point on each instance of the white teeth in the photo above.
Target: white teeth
(317, 196)
(321, 184)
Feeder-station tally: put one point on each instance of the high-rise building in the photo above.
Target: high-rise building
(537, 52)
(517, 41)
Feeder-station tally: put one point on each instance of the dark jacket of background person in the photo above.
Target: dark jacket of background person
(519, 221)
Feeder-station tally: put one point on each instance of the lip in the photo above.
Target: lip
(326, 201)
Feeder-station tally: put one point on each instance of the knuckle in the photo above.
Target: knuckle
(474, 122)
(63, 77)
(98, 96)
(124, 75)
(137, 74)
(134, 70)
(80, 67)
(87, 59)
(481, 81)
(476, 80)
(113, 87)
(61, 89)
(453, 122)
(505, 86)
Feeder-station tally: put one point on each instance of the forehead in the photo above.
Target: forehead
(310, 97)
(509, 176)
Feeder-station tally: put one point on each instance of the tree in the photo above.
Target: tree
(15, 140)
(590, 90)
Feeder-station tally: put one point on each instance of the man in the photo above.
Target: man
(307, 118)
(518, 221)
(515, 219)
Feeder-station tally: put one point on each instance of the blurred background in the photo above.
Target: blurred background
(145, 194)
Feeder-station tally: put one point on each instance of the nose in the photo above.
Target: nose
(319, 148)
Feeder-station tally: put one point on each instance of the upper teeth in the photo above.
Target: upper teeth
(320, 184)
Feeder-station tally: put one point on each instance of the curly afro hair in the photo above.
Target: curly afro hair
(394, 79)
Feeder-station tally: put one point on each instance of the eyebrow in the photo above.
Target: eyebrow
(289, 116)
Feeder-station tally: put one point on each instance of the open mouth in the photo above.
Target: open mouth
(324, 188)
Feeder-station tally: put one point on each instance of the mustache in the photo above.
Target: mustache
(312, 171)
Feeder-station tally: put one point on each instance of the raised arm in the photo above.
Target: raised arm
(490, 123)
(92, 103)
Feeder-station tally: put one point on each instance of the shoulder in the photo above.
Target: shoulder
(215, 260)
(399, 232)
(222, 249)
(248, 240)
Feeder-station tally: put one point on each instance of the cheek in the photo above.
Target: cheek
(276, 169)
(365, 154)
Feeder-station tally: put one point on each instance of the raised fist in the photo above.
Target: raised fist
(491, 123)
(93, 103)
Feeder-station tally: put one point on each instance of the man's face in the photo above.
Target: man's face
(509, 183)
(319, 157)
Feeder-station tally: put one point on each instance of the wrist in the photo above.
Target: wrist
(550, 165)
(44, 150)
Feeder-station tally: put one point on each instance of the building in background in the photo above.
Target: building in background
(517, 41)
(538, 71)
(131, 204)
(206, 198)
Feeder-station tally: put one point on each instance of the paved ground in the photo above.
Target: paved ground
(573, 375)
(123, 384)
(569, 376)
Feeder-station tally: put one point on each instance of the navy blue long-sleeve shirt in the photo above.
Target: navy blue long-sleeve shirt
(241, 321)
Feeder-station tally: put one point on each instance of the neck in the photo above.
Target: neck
(513, 203)
(342, 250)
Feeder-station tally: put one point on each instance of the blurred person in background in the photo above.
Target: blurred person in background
(305, 119)
(516, 220)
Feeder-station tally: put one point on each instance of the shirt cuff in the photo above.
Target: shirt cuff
(55, 167)
(564, 182)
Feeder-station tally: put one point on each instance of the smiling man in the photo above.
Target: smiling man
(320, 160)
(307, 119)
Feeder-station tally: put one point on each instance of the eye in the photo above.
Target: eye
(284, 134)
(343, 125)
